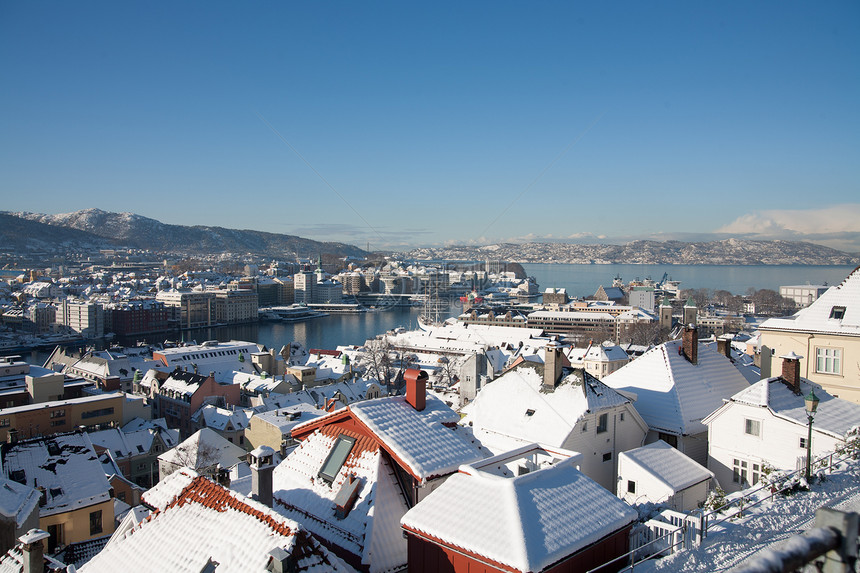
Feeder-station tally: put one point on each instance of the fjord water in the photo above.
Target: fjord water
(584, 280)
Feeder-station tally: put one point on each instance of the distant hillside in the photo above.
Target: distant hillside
(23, 235)
(725, 252)
(134, 231)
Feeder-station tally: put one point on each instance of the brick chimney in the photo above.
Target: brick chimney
(724, 347)
(262, 468)
(552, 364)
(33, 554)
(416, 388)
(690, 343)
(791, 371)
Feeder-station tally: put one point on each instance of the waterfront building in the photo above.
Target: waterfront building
(235, 306)
(304, 283)
(85, 318)
(189, 309)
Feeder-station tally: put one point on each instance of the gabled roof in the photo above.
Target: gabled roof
(668, 465)
(526, 522)
(197, 521)
(515, 406)
(204, 449)
(419, 439)
(222, 418)
(834, 416)
(425, 442)
(820, 317)
(673, 395)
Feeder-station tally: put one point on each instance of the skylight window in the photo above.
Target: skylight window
(334, 461)
(530, 412)
(837, 312)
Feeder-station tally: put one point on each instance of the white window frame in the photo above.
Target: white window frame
(828, 360)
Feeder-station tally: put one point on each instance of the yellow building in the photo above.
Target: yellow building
(826, 334)
(76, 503)
(61, 416)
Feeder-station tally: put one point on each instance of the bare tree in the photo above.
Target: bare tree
(378, 357)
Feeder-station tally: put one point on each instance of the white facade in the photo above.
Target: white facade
(659, 473)
(580, 414)
(767, 425)
(803, 295)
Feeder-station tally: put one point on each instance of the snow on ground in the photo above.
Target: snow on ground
(768, 524)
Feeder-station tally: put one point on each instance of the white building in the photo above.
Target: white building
(85, 318)
(676, 385)
(599, 360)
(803, 295)
(572, 410)
(766, 424)
(659, 473)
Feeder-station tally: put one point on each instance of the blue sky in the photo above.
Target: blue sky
(405, 124)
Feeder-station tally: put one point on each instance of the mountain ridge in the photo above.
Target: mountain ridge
(136, 231)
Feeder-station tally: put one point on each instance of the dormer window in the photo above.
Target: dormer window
(338, 454)
(837, 312)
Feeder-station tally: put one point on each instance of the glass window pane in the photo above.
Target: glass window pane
(336, 457)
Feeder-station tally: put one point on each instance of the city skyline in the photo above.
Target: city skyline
(401, 125)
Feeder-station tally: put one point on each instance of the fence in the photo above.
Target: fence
(656, 538)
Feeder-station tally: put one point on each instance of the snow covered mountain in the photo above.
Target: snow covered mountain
(106, 229)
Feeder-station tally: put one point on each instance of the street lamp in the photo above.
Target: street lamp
(811, 401)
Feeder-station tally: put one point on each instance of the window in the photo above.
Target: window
(607, 456)
(58, 413)
(4, 422)
(803, 443)
(602, 423)
(631, 486)
(828, 360)
(530, 412)
(670, 439)
(95, 522)
(752, 427)
(585, 426)
(621, 417)
(837, 312)
(336, 457)
(97, 413)
(741, 472)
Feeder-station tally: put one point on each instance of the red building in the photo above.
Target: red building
(137, 317)
(358, 470)
(528, 510)
(178, 395)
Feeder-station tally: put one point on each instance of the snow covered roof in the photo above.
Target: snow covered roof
(67, 467)
(527, 522)
(204, 449)
(419, 439)
(834, 416)
(674, 395)
(514, 405)
(17, 501)
(837, 311)
(123, 443)
(198, 522)
(222, 418)
(287, 418)
(299, 492)
(668, 465)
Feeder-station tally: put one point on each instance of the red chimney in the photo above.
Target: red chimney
(416, 388)
(791, 371)
(690, 343)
